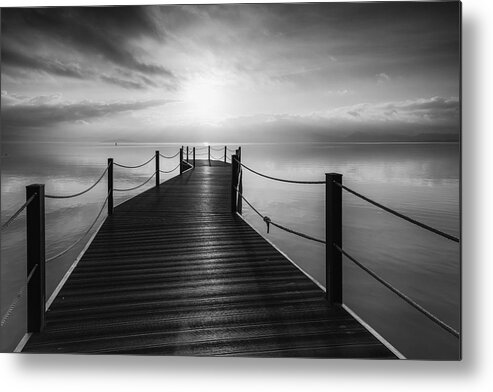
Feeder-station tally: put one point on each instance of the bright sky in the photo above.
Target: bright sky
(234, 73)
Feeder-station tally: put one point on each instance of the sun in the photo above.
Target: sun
(205, 98)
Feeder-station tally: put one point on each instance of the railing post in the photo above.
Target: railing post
(187, 155)
(110, 186)
(234, 177)
(225, 153)
(36, 291)
(157, 168)
(239, 207)
(333, 235)
(181, 160)
(209, 154)
(194, 157)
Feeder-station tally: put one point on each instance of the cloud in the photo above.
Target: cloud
(422, 119)
(73, 35)
(383, 78)
(43, 111)
(434, 110)
(14, 58)
(342, 91)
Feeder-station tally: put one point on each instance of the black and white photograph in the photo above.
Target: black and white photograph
(269, 180)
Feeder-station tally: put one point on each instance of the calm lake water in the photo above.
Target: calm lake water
(419, 180)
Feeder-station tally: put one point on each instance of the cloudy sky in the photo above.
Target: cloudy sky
(231, 73)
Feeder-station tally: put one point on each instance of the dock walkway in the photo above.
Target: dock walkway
(174, 272)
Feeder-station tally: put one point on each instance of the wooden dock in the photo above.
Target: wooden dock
(174, 272)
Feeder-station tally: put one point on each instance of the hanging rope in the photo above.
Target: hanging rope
(19, 295)
(398, 214)
(135, 187)
(268, 221)
(134, 167)
(217, 159)
(279, 179)
(80, 193)
(411, 302)
(169, 171)
(17, 213)
(84, 235)
(169, 157)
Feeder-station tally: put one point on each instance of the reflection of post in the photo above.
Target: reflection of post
(333, 236)
(181, 161)
(157, 167)
(194, 157)
(110, 186)
(35, 230)
(209, 153)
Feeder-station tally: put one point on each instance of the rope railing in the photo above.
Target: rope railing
(398, 214)
(278, 179)
(169, 171)
(134, 167)
(135, 187)
(79, 193)
(217, 149)
(83, 236)
(216, 158)
(17, 298)
(268, 221)
(411, 302)
(169, 157)
(18, 212)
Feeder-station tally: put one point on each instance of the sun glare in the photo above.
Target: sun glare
(205, 99)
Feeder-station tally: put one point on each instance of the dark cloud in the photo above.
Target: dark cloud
(12, 58)
(43, 111)
(102, 32)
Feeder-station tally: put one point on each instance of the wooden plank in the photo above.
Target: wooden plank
(174, 272)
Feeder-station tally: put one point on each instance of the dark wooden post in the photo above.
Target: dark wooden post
(194, 157)
(110, 186)
(234, 178)
(157, 168)
(36, 291)
(187, 155)
(333, 235)
(225, 153)
(181, 160)
(209, 154)
(239, 207)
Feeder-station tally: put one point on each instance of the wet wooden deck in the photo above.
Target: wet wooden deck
(173, 272)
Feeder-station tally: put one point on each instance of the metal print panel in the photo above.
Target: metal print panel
(262, 180)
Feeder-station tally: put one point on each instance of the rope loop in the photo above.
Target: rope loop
(79, 193)
(278, 179)
(169, 157)
(134, 167)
